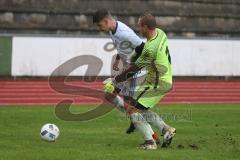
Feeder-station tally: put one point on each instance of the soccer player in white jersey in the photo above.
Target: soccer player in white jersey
(129, 47)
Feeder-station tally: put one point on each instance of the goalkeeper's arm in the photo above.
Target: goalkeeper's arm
(109, 84)
(127, 73)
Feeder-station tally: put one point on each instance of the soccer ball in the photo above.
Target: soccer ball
(49, 132)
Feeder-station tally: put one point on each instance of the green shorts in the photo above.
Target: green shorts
(149, 95)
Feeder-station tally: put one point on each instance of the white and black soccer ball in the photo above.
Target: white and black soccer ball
(49, 132)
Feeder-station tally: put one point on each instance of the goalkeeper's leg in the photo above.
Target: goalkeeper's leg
(142, 127)
(156, 121)
(151, 97)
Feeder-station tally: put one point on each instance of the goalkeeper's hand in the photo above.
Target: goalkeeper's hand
(108, 85)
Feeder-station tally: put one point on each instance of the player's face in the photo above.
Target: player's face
(103, 25)
(142, 28)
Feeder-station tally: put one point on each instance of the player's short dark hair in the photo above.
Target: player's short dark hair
(148, 20)
(100, 15)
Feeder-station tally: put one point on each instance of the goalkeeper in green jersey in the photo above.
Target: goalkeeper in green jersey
(156, 60)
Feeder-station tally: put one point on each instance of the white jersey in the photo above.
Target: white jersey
(125, 41)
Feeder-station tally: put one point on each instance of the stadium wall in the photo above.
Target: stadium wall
(40, 56)
(187, 18)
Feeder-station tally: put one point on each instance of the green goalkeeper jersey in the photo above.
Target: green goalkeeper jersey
(155, 58)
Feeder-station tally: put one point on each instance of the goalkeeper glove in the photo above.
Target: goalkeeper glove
(108, 85)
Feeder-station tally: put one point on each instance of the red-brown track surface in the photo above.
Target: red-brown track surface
(39, 93)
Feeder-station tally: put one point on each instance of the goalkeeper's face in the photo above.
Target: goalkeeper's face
(142, 28)
(143, 31)
(103, 25)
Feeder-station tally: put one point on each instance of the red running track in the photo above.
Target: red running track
(26, 93)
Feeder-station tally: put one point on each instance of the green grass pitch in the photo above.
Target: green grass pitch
(203, 132)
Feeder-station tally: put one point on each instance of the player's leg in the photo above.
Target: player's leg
(150, 98)
(130, 87)
(131, 128)
(156, 121)
(116, 100)
(142, 127)
(119, 103)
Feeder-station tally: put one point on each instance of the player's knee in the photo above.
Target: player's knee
(136, 118)
(131, 110)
